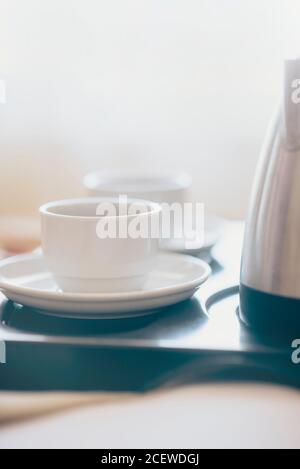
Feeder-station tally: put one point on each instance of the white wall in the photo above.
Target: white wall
(146, 83)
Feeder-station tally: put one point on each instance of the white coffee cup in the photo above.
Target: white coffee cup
(163, 188)
(82, 260)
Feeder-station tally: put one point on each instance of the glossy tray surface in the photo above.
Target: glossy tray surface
(199, 338)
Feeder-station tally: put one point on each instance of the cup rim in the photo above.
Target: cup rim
(45, 209)
(96, 180)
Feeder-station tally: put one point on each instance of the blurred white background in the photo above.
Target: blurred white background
(94, 84)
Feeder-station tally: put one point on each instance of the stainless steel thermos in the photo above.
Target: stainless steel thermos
(270, 268)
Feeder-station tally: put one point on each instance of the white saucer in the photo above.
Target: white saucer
(26, 280)
(212, 231)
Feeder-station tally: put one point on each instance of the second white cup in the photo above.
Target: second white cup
(166, 188)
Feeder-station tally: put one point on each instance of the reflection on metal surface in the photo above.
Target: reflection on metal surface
(186, 327)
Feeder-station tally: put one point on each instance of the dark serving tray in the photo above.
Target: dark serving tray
(198, 339)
